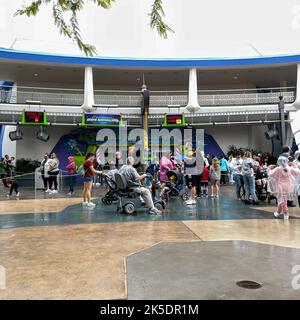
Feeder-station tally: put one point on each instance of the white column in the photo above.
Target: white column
(296, 104)
(88, 101)
(193, 104)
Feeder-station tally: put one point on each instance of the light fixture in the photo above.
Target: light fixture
(36, 102)
(16, 135)
(36, 74)
(235, 77)
(42, 134)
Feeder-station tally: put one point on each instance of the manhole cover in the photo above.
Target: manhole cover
(247, 284)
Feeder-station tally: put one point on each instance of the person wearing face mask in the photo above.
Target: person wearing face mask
(284, 181)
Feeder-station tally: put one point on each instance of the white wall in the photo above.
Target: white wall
(240, 136)
(32, 148)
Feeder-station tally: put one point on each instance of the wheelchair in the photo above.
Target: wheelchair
(129, 201)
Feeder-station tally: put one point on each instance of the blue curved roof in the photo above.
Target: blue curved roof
(146, 62)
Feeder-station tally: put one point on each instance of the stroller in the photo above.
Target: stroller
(174, 187)
(261, 184)
(112, 194)
(261, 187)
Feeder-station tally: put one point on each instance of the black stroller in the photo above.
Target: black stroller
(175, 186)
(112, 194)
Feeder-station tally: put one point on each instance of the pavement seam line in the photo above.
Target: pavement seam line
(190, 230)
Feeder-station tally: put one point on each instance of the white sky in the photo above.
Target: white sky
(214, 28)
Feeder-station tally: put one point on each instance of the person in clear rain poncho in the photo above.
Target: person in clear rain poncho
(283, 182)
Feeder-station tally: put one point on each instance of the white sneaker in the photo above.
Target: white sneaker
(47, 190)
(286, 216)
(84, 203)
(91, 205)
(276, 214)
(190, 202)
(69, 193)
(18, 194)
(54, 191)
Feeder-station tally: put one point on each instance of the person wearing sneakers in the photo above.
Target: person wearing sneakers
(215, 176)
(71, 167)
(89, 173)
(284, 182)
(14, 186)
(204, 182)
(248, 168)
(53, 172)
(133, 180)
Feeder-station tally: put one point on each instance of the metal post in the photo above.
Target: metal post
(145, 123)
(282, 122)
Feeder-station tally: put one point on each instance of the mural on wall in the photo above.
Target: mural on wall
(81, 141)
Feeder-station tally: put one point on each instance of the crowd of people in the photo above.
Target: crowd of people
(247, 171)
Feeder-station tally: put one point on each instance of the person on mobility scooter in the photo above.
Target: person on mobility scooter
(132, 185)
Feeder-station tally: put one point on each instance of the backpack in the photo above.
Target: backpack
(80, 170)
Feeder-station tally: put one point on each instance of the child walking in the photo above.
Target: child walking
(283, 181)
(215, 176)
(14, 186)
(204, 182)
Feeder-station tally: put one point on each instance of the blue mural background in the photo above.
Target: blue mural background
(82, 140)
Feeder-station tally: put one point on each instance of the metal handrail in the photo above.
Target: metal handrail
(127, 98)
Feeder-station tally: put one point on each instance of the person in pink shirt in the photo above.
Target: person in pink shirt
(283, 180)
(166, 164)
(71, 167)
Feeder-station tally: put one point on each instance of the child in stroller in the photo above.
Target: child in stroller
(261, 181)
(174, 187)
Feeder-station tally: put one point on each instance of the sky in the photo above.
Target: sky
(214, 28)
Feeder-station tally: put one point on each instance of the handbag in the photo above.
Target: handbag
(53, 172)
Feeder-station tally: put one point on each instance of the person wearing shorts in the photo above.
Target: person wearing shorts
(88, 179)
(204, 182)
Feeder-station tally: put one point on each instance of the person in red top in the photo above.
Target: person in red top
(88, 179)
(204, 182)
(71, 167)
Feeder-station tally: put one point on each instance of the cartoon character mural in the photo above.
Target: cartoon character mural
(81, 141)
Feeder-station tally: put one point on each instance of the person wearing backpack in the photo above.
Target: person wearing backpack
(88, 177)
(249, 178)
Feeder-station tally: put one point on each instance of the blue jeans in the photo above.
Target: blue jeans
(71, 181)
(238, 179)
(249, 183)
